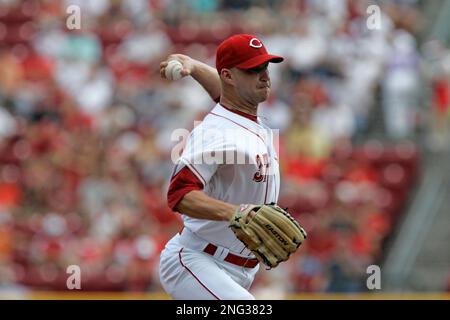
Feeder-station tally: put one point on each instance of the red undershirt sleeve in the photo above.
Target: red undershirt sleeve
(182, 183)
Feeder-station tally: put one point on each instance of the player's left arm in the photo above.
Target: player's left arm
(204, 74)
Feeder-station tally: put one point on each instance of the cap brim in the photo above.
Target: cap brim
(258, 60)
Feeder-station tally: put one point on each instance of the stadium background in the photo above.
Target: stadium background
(85, 125)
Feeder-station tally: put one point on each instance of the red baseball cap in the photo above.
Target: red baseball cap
(244, 51)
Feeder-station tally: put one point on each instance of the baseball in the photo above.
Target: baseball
(173, 70)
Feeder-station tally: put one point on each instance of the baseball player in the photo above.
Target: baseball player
(224, 181)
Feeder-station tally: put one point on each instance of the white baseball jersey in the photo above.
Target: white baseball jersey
(236, 161)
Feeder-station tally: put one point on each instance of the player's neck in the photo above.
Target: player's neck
(242, 107)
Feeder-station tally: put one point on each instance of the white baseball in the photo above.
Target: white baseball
(173, 70)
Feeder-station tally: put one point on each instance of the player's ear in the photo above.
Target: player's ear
(227, 76)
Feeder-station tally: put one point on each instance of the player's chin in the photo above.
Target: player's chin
(263, 94)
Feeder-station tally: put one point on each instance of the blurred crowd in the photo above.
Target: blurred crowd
(86, 123)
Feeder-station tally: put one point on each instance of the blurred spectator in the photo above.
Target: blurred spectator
(437, 62)
(400, 90)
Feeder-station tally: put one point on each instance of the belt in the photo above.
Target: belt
(232, 258)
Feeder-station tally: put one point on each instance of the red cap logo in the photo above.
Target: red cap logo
(255, 43)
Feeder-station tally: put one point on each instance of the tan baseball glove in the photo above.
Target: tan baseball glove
(268, 231)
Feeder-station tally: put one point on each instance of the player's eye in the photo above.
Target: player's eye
(258, 69)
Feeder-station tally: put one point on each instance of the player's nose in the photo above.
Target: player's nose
(264, 76)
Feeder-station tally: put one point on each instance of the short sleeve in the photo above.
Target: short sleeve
(206, 149)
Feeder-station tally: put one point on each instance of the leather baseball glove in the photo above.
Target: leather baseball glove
(268, 231)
